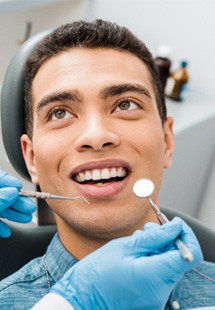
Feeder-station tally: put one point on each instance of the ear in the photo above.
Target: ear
(28, 154)
(169, 142)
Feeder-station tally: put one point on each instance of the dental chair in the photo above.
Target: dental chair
(29, 240)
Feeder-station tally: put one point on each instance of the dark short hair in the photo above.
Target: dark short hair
(85, 34)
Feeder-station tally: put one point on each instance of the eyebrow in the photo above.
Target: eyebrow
(110, 91)
(120, 89)
(59, 96)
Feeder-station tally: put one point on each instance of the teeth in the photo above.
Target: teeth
(81, 177)
(119, 172)
(101, 174)
(100, 184)
(113, 173)
(78, 178)
(87, 175)
(105, 174)
(96, 175)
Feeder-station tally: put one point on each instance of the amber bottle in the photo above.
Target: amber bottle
(163, 63)
(177, 83)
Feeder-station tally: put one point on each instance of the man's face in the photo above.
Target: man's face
(96, 131)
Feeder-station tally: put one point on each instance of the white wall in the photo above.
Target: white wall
(12, 25)
(187, 25)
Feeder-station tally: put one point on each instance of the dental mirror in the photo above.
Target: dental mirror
(143, 188)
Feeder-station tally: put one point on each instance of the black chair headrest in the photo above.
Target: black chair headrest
(12, 104)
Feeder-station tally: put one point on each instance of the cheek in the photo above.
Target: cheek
(148, 142)
(49, 147)
(49, 152)
(150, 149)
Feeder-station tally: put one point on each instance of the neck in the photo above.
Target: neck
(80, 244)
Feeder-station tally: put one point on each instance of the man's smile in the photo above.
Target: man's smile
(93, 177)
(101, 175)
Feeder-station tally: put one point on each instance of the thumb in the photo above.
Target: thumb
(7, 180)
(155, 238)
(8, 196)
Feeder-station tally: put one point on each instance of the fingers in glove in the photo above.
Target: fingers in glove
(173, 264)
(4, 230)
(8, 196)
(156, 238)
(188, 237)
(24, 205)
(7, 180)
(15, 216)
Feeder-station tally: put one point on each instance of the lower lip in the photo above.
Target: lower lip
(101, 191)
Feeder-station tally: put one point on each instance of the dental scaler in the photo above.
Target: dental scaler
(42, 195)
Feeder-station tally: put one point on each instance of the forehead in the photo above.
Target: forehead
(86, 69)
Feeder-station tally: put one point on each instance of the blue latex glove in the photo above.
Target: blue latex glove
(12, 206)
(137, 272)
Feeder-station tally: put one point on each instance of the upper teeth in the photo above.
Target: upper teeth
(98, 174)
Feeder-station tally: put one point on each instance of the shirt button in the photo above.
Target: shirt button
(175, 304)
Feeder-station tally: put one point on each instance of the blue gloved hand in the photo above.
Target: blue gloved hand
(136, 272)
(12, 206)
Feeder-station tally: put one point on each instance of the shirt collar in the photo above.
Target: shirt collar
(57, 259)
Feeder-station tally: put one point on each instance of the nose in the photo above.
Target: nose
(96, 134)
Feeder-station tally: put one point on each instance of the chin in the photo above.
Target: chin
(103, 231)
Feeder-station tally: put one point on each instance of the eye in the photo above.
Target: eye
(59, 114)
(126, 105)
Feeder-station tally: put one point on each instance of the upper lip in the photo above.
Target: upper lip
(100, 165)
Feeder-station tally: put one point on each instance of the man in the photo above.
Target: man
(135, 272)
(96, 122)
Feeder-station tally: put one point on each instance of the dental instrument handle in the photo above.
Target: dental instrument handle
(33, 194)
(180, 244)
(184, 250)
(43, 195)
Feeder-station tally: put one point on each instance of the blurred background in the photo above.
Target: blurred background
(187, 27)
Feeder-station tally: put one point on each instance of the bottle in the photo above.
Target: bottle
(163, 63)
(177, 83)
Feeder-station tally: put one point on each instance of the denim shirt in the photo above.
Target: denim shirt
(27, 286)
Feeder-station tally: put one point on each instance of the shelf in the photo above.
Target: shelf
(196, 109)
